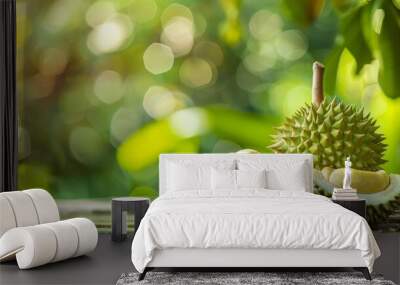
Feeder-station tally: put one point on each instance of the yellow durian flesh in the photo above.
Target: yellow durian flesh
(365, 182)
(326, 172)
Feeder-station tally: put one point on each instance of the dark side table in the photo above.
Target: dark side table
(357, 206)
(120, 208)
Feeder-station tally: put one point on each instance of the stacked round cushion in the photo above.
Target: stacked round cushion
(31, 230)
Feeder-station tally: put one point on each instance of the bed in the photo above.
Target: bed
(247, 210)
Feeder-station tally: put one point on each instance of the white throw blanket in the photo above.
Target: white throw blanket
(250, 219)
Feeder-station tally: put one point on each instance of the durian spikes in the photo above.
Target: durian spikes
(331, 132)
(317, 84)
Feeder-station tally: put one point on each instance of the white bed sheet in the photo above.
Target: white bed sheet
(251, 218)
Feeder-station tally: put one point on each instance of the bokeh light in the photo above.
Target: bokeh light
(200, 25)
(176, 10)
(110, 35)
(158, 58)
(189, 122)
(143, 10)
(178, 34)
(265, 25)
(209, 51)
(123, 123)
(99, 12)
(135, 84)
(159, 102)
(257, 63)
(108, 87)
(196, 72)
(159, 76)
(291, 45)
(61, 14)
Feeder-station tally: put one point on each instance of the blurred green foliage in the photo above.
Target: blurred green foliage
(106, 86)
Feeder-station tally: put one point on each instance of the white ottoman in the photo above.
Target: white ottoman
(31, 232)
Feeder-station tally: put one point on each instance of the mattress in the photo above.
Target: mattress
(250, 219)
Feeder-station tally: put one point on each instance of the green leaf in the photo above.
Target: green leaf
(367, 23)
(397, 3)
(331, 69)
(344, 6)
(143, 147)
(354, 40)
(303, 12)
(246, 129)
(389, 51)
(176, 133)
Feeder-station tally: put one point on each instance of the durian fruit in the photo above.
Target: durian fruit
(331, 131)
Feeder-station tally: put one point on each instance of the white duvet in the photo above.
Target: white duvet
(250, 219)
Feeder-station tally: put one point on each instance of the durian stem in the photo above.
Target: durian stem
(317, 85)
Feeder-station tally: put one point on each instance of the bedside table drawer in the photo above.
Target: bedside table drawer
(357, 206)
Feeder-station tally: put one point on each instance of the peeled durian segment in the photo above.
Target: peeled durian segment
(381, 204)
(331, 132)
(363, 181)
(326, 172)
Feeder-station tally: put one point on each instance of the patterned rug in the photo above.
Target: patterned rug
(243, 278)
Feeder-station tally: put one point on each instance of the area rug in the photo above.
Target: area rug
(244, 278)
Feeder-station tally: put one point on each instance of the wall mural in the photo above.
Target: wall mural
(106, 86)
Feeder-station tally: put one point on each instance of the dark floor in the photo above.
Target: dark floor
(103, 266)
(110, 260)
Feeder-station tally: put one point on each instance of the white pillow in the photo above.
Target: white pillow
(236, 179)
(293, 180)
(223, 179)
(251, 178)
(193, 174)
(188, 177)
(282, 174)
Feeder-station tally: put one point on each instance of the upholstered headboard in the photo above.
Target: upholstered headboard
(210, 158)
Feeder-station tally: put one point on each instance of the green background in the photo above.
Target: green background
(94, 118)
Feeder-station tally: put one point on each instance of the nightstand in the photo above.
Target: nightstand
(357, 206)
(120, 208)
